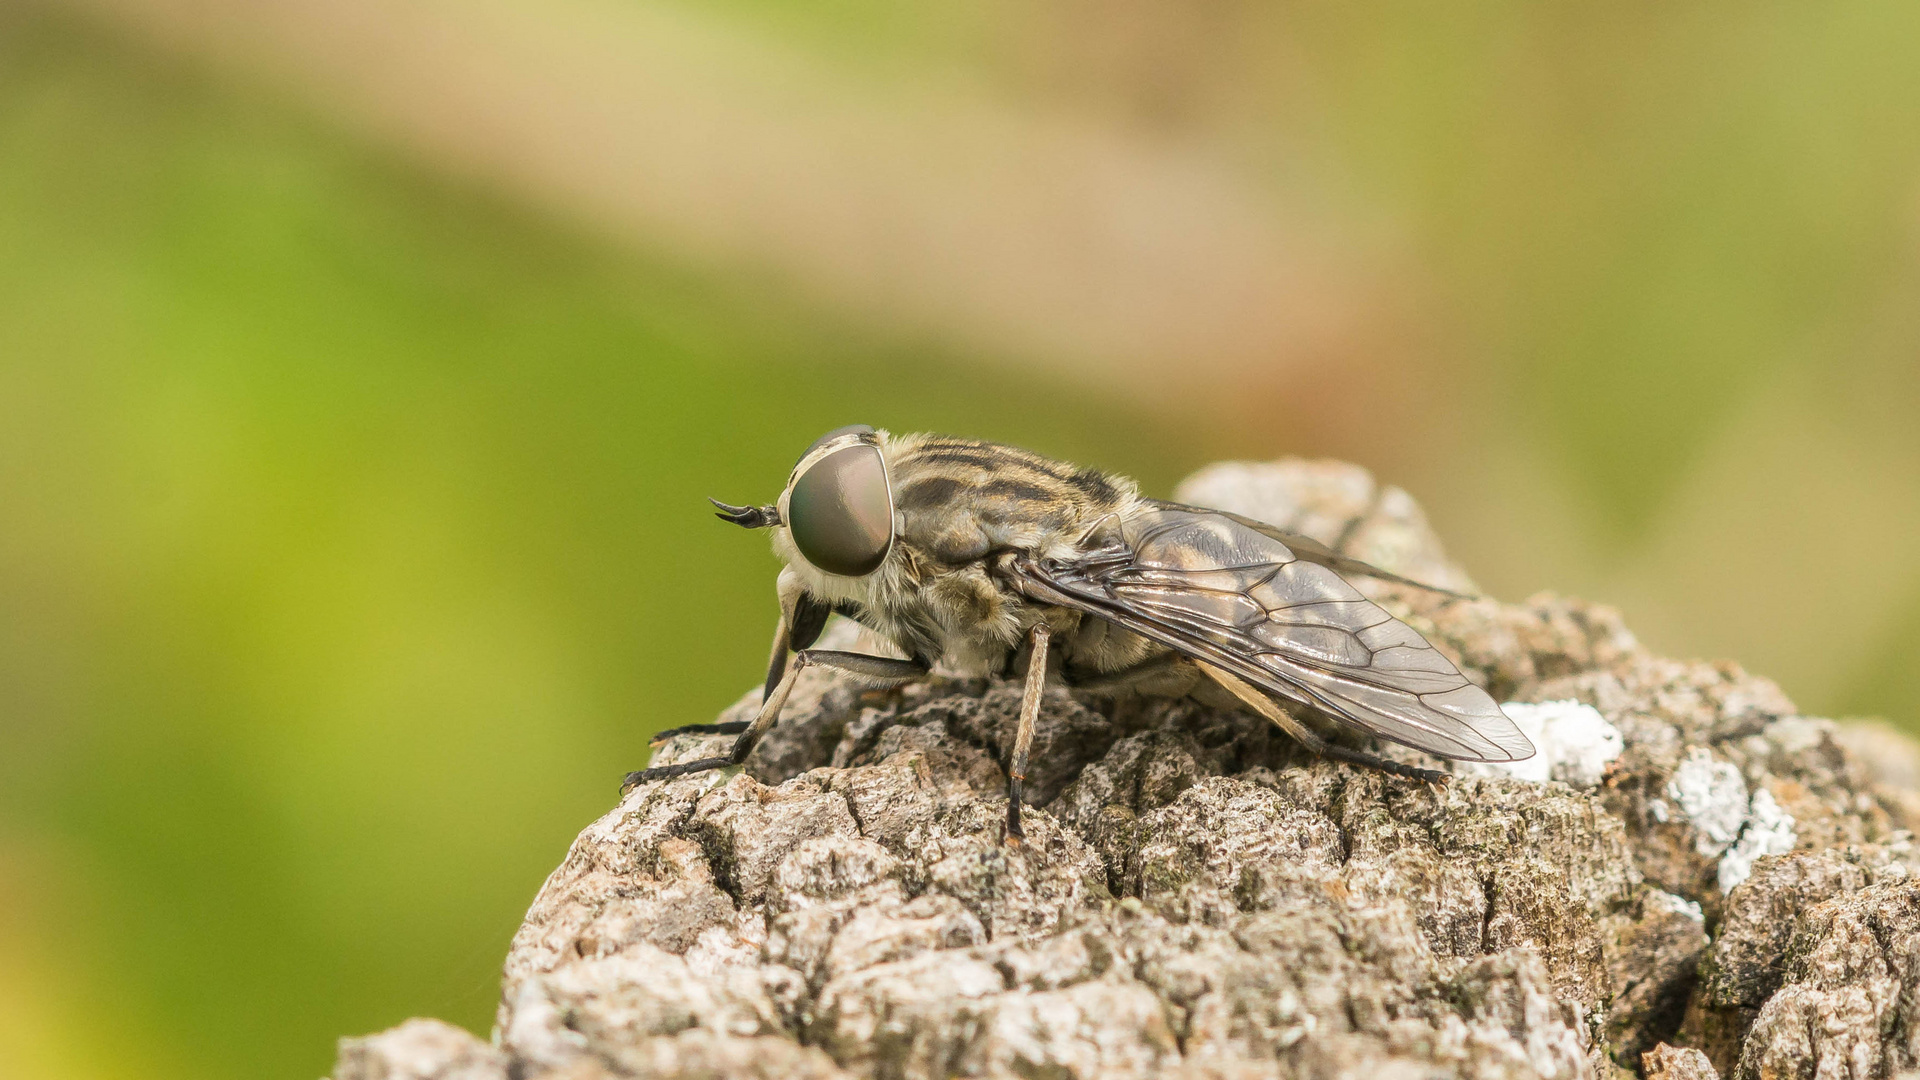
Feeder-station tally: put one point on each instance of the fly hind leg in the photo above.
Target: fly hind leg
(1169, 675)
(1306, 737)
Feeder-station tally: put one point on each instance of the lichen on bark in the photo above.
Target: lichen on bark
(1199, 898)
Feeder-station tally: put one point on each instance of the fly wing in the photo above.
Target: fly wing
(1214, 588)
(1306, 547)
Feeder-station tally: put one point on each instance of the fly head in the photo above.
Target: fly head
(838, 505)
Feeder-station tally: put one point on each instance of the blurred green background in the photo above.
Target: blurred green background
(352, 457)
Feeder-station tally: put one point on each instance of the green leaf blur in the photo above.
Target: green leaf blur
(355, 539)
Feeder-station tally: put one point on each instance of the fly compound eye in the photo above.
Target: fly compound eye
(840, 512)
(850, 429)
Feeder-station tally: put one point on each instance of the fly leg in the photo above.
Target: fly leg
(877, 669)
(731, 727)
(1308, 738)
(1161, 672)
(1023, 734)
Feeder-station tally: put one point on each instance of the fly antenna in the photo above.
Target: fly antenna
(747, 517)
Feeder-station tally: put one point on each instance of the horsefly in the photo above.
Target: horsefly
(987, 559)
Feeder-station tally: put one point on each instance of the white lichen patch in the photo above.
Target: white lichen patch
(1713, 796)
(1662, 900)
(1770, 831)
(1728, 822)
(1572, 743)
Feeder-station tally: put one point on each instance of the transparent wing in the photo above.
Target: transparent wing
(1306, 547)
(1214, 587)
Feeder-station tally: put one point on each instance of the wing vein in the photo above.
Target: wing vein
(1213, 587)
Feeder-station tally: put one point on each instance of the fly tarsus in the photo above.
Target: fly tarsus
(1380, 764)
(668, 772)
(731, 727)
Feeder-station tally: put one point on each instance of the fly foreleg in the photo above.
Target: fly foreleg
(729, 727)
(877, 669)
(1023, 733)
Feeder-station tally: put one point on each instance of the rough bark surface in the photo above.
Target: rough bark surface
(1722, 890)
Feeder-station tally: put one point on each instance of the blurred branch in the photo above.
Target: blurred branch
(935, 207)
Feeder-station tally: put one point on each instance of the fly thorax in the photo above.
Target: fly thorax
(951, 537)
